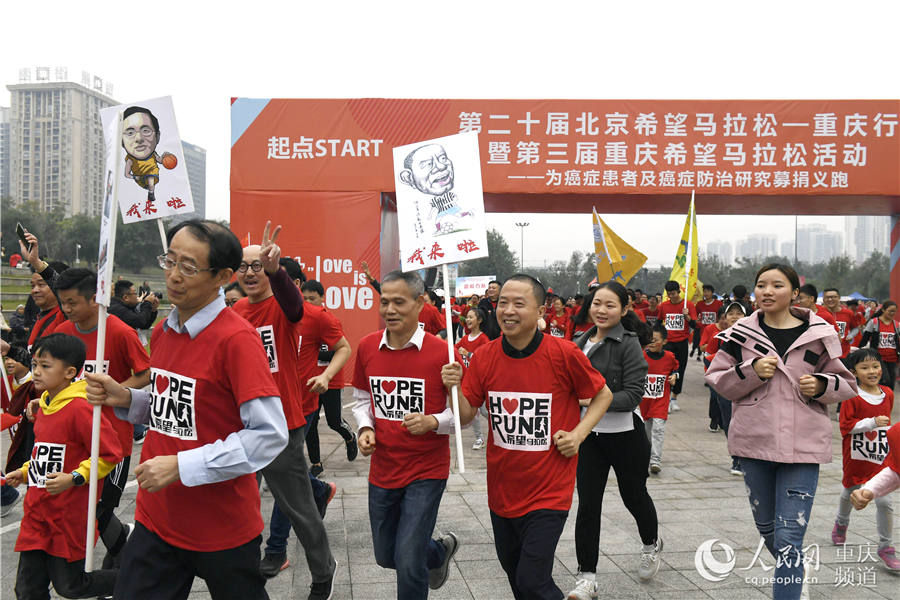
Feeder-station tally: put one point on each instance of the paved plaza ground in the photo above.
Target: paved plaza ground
(696, 497)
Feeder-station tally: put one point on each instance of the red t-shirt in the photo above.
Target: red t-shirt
(46, 325)
(845, 321)
(197, 388)
(892, 460)
(318, 328)
(471, 346)
(527, 403)
(57, 524)
(641, 305)
(402, 382)
(672, 316)
(279, 336)
(651, 316)
(432, 319)
(864, 451)
(557, 325)
(823, 312)
(887, 340)
(708, 339)
(122, 355)
(707, 313)
(576, 328)
(655, 404)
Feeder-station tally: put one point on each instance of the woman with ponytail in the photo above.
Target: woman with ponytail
(613, 345)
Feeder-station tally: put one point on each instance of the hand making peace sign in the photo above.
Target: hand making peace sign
(269, 252)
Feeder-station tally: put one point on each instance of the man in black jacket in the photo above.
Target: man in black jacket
(138, 312)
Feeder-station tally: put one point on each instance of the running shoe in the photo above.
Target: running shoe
(650, 561)
(273, 564)
(585, 589)
(438, 575)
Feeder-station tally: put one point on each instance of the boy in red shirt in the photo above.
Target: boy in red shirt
(720, 408)
(126, 361)
(651, 312)
(662, 372)
(404, 423)
(677, 316)
(707, 311)
(846, 321)
(864, 423)
(51, 539)
(807, 298)
(537, 426)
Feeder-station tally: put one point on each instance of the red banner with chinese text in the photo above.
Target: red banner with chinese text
(741, 147)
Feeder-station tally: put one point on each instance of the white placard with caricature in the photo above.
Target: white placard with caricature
(153, 177)
(440, 203)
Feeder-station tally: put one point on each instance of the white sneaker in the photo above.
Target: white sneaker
(673, 406)
(585, 589)
(479, 444)
(650, 561)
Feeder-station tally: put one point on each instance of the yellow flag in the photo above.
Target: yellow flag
(682, 272)
(616, 260)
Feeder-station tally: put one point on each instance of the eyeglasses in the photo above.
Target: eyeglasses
(186, 269)
(145, 132)
(255, 266)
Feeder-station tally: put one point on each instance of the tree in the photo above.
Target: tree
(501, 261)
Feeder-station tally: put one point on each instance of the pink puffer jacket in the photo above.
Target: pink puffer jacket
(771, 420)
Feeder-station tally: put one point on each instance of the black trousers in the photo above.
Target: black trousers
(888, 374)
(332, 402)
(111, 530)
(525, 547)
(628, 453)
(152, 569)
(680, 350)
(37, 570)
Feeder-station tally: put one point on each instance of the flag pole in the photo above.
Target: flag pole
(162, 235)
(454, 392)
(101, 349)
(687, 252)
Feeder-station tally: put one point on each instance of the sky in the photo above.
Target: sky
(583, 50)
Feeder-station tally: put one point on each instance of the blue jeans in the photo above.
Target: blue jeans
(280, 525)
(8, 494)
(402, 522)
(781, 498)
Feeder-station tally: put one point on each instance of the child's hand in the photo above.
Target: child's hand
(673, 378)
(31, 408)
(882, 421)
(15, 478)
(861, 497)
(57, 483)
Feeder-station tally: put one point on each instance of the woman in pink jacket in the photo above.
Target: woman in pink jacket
(780, 366)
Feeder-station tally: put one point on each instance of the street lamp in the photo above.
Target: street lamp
(77, 248)
(522, 227)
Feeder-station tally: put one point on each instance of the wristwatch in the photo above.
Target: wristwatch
(77, 478)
